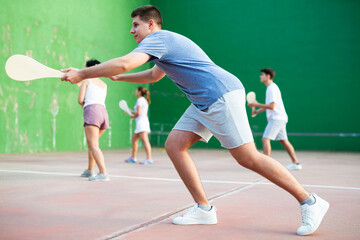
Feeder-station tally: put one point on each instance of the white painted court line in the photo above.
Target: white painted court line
(163, 217)
(37, 172)
(177, 179)
(157, 220)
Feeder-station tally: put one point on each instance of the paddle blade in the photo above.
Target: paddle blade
(123, 105)
(24, 68)
(250, 97)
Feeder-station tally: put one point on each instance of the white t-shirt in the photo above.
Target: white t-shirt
(273, 94)
(142, 121)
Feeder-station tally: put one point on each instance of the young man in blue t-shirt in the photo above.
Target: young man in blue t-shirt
(217, 108)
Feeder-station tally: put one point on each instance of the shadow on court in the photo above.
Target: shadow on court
(43, 197)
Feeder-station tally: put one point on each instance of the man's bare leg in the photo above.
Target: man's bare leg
(248, 156)
(176, 146)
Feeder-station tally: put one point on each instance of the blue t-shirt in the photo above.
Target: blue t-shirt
(189, 67)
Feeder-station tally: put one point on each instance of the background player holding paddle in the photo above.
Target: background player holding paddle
(142, 126)
(217, 107)
(276, 116)
(92, 96)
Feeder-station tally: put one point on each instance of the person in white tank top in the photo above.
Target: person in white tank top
(142, 126)
(92, 96)
(276, 116)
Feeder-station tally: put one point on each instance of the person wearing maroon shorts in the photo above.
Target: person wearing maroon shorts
(92, 96)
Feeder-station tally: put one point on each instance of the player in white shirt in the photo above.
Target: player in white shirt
(276, 116)
(142, 126)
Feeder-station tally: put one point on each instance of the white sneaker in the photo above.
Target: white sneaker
(100, 178)
(197, 216)
(294, 167)
(311, 216)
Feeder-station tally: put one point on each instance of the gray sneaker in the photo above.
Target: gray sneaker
(100, 178)
(147, 162)
(87, 173)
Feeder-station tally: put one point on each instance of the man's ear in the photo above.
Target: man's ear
(151, 24)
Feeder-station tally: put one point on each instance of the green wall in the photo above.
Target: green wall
(61, 34)
(312, 45)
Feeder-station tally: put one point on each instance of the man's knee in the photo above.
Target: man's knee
(249, 161)
(174, 143)
(246, 155)
(168, 144)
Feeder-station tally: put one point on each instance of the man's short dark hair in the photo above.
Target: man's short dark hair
(268, 71)
(148, 12)
(92, 62)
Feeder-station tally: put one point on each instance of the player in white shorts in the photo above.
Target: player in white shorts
(142, 126)
(276, 116)
(217, 108)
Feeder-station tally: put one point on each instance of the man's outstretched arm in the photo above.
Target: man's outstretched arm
(107, 69)
(148, 76)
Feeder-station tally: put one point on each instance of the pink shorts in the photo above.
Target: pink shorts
(96, 115)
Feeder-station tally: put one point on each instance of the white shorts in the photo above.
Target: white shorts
(142, 125)
(275, 130)
(226, 119)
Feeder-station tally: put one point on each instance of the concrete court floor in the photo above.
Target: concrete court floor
(43, 197)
